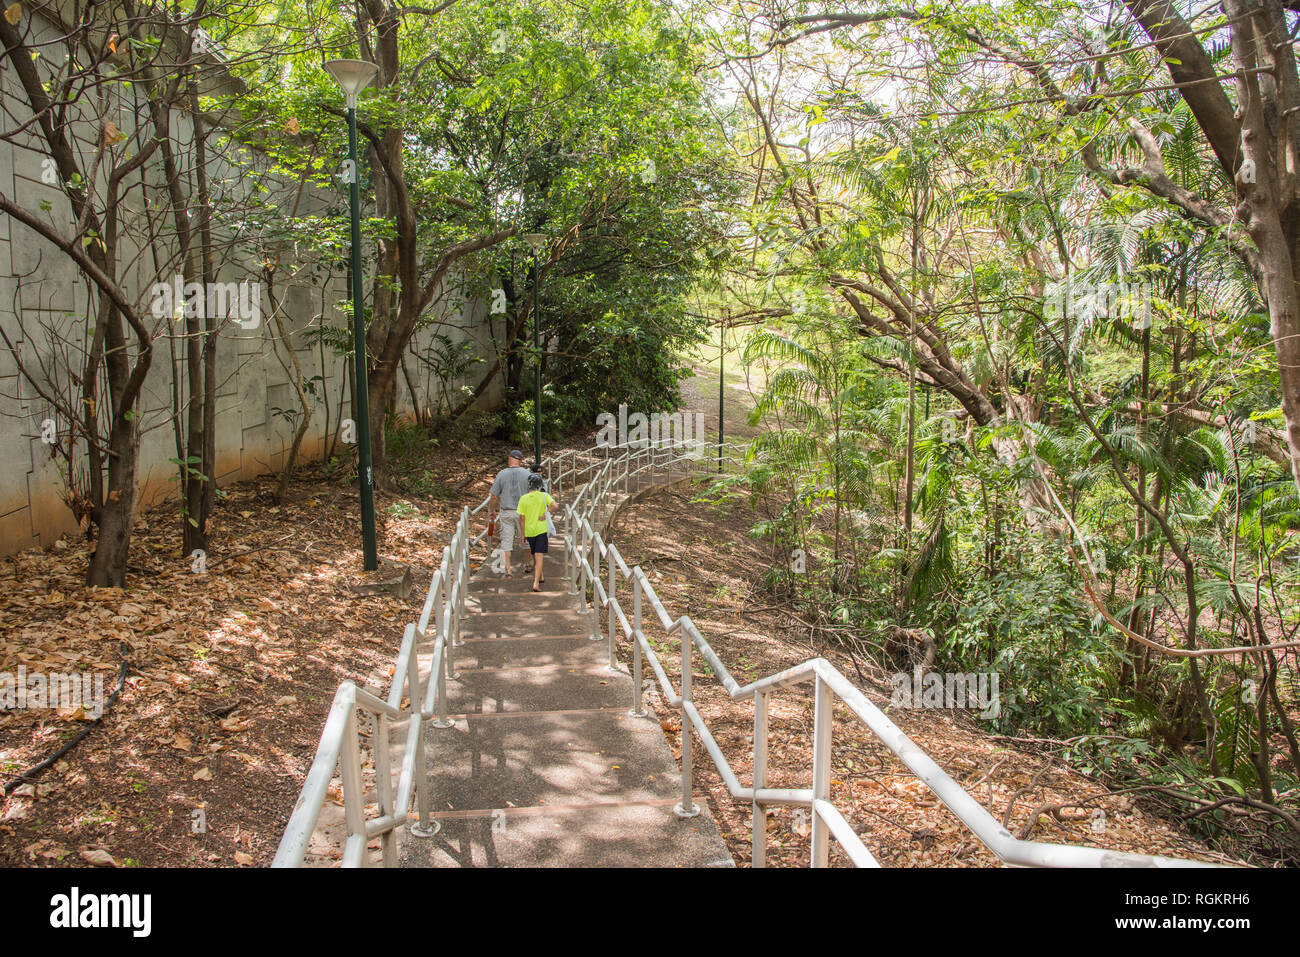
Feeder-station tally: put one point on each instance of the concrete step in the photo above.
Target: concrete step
(525, 601)
(549, 758)
(538, 689)
(552, 623)
(519, 583)
(613, 835)
(518, 652)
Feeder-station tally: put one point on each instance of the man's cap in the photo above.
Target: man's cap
(536, 482)
(516, 454)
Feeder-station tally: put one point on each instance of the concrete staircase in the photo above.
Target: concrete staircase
(545, 767)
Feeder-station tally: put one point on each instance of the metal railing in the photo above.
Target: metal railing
(340, 743)
(585, 521)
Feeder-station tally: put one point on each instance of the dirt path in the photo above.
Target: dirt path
(741, 386)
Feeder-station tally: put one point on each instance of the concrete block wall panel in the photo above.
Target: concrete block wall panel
(6, 177)
(255, 450)
(50, 517)
(229, 426)
(280, 396)
(248, 342)
(13, 469)
(16, 526)
(45, 367)
(8, 313)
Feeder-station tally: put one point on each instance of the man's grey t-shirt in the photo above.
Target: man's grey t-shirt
(510, 486)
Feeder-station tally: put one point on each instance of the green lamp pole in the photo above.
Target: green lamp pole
(353, 76)
(537, 241)
(722, 389)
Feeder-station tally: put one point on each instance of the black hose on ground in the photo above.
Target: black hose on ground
(26, 776)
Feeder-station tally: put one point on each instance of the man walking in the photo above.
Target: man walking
(507, 489)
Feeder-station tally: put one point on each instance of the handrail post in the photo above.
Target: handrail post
(462, 590)
(465, 543)
(579, 550)
(758, 843)
(354, 798)
(638, 709)
(609, 595)
(384, 785)
(687, 807)
(423, 827)
(567, 577)
(448, 641)
(823, 723)
(588, 543)
(440, 719)
(570, 571)
(594, 622)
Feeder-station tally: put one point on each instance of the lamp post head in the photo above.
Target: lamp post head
(352, 75)
(535, 240)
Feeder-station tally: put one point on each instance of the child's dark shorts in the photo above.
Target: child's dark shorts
(538, 544)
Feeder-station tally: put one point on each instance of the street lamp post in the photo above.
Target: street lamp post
(722, 389)
(353, 76)
(537, 241)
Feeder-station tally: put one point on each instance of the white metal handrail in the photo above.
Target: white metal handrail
(584, 550)
(340, 743)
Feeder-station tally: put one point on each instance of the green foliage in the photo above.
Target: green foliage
(1029, 626)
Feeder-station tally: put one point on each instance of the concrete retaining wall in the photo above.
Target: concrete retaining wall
(46, 312)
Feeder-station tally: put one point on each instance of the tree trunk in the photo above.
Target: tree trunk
(117, 514)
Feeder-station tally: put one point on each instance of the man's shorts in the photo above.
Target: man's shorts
(538, 544)
(509, 529)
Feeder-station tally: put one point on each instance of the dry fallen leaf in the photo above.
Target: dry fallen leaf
(14, 13)
(182, 743)
(242, 859)
(46, 849)
(203, 774)
(99, 857)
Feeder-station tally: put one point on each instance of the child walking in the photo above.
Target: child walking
(534, 521)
